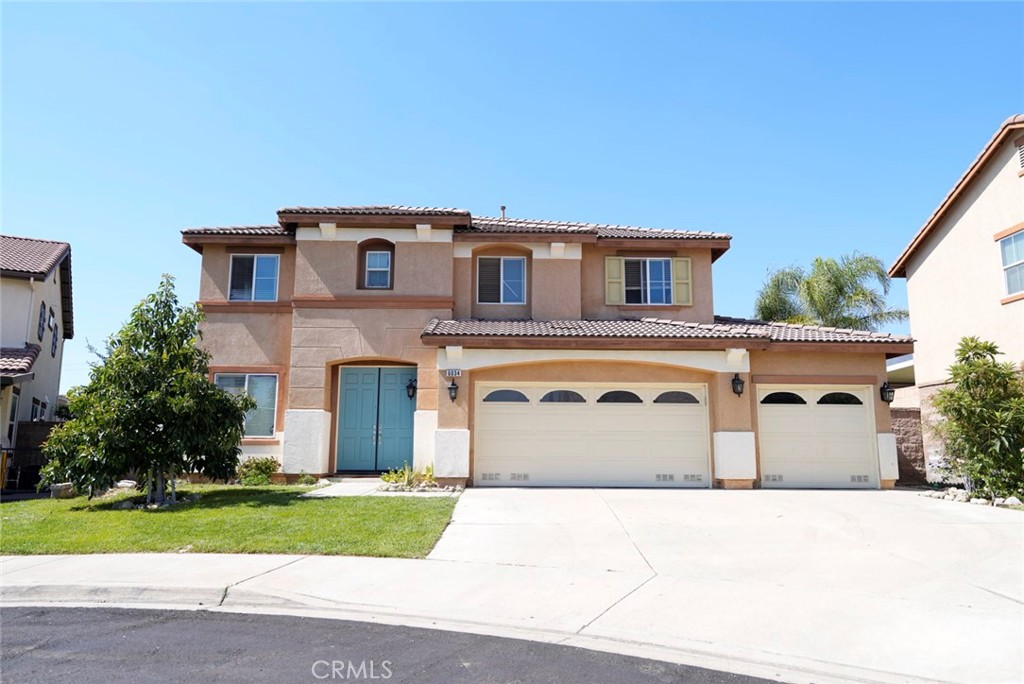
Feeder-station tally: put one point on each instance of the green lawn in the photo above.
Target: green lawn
(229, 519)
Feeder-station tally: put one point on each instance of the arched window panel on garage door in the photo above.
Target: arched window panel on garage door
(506, 396)
(619, 397)
(676, 397)
(783, 398)
(563, 397)
(839, 399)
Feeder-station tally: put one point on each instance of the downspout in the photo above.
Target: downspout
(31, 308)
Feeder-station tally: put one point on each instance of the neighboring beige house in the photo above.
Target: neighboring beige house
(965, 273)
(511, 352)
(37, 316)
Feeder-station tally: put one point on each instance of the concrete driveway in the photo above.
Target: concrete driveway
(885, 582)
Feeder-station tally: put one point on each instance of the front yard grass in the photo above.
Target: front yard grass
(229, 519)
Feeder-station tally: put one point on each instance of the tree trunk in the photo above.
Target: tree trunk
(161, 487)
(174, 487)
(149, 487)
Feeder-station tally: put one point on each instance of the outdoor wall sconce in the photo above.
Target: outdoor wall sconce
(887, 392)
(410, 389)
(453, 391)
(737, 385)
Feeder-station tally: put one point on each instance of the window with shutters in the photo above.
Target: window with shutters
(501, 280)
(254, 277)
(658, 281)
(42, 321)
(260, 421)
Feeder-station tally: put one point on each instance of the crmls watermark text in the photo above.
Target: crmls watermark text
(351, 670)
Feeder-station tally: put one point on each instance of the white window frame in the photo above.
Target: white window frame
(646, 291)
(501, 281)
(255, 260)
(367, 270)
(277, 389)
(1007, 267)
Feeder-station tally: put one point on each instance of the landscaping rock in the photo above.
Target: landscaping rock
(124, 506)
(127, 484)
(979, 501)
(998, 501)
(64, 490)
(1012, 501)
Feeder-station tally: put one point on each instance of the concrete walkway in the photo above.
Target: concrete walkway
(800, 586)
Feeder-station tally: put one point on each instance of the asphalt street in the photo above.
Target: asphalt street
(111, 645)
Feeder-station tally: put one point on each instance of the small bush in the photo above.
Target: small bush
(405, 476)
(306, 479)
(256, 471)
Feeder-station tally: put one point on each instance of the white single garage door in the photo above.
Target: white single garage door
(542, 434)
(817, 437)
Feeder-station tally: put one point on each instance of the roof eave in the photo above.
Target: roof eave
(589, 342)
(1014, 123)
(8, 379)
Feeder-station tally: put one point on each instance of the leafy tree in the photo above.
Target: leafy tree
(983, 419)
(837, 293)
(149, 407)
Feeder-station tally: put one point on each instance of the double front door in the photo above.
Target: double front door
(375, 419)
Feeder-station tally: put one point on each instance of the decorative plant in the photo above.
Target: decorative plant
(983, 419)
(256, 471)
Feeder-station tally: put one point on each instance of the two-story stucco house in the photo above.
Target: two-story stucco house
(528, 353)
(965, 272)
(37, 316)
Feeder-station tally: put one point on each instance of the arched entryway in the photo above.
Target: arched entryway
(374, 418)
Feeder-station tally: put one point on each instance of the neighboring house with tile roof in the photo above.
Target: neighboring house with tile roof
(965, 273)
(508, 351)
(37, 317)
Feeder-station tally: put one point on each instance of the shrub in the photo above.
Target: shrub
(983, 419)
(404, 476)
(306, 479)
(257, 470)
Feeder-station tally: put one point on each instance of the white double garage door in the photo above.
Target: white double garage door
(657, 435)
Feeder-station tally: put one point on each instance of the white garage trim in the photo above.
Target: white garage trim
(723, 361)
(818, 445)
(524, 441)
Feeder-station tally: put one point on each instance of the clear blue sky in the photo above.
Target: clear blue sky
(801, 129)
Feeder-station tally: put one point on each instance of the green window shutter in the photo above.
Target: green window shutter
(614, 281)
(682, 291)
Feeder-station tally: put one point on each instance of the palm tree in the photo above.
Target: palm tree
(834, 293)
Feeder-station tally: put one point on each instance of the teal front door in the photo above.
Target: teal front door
(375, 419)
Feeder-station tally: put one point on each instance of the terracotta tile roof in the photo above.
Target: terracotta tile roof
(29, 256)
(377, 210)
(238, 230)
(653, 328)
(647, 328)
(794, 332)
(14, 361)
(1014, 123)
(22, 257)
(486, 224)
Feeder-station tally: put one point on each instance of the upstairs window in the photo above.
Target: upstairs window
(56, 337)
(259, 422)
(376, 265)
(378, 269)
(1012, 248)
(42, 321)
(655, 281)
(501, 280)
(648, 281)
(254, 277)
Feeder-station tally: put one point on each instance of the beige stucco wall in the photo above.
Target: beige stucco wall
(247, 339)
(593, 290)
(331, 268)
(322, 338)
(20, 301)
(955, 281)
(804, 366)
(215, 277)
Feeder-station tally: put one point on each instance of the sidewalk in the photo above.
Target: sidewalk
(554, 605)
